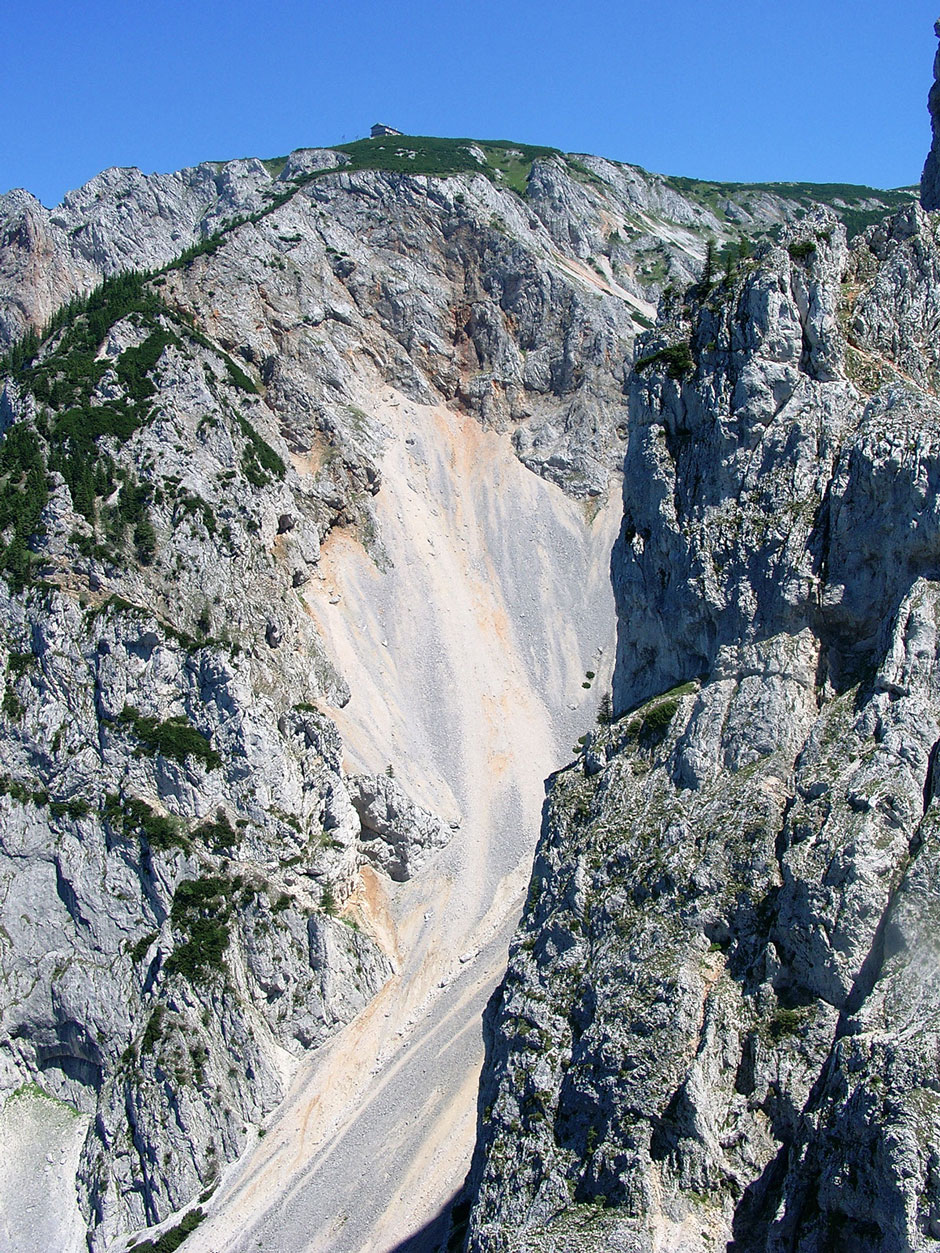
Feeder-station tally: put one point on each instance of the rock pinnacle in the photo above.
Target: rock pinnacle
(930, 179)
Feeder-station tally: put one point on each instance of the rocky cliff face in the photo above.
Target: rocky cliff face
(180, 836)
(180, 840)
(177, 832)
(719, 1023)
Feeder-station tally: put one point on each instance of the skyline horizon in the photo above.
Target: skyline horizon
(248, 156)
(831, 97)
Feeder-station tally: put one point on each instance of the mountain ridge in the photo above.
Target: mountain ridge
(291, 494)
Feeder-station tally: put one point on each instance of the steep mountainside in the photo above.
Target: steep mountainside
(180, 832)
(276, 443)
(719, 1026)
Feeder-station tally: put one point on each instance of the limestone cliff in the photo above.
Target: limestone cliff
(191, 410)
(719, 1025)
(180, 841)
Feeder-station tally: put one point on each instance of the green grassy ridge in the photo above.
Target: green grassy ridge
(507, 163)
(803, 193)
(845, 199)
(439, 150)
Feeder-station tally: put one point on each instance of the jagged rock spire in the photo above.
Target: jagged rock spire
(930, 179)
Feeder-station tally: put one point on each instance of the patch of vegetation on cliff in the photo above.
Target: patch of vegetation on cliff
(132, 512)
(154, 1028)
(87, 319)
(202, 247)
(71, 807)
(200, 911)
(60, 369)
(801, 250)
(140, 948)
(134, 365)
(20, 792)
(135, 817)
(218, 833)
(69, 427)
(188, 504)
(173, 1237)
(676, 360)
(23, 496)
(115, 604)
(175, 738)
(260, 463)
(656, 722)
(65, 382)
(648, 723)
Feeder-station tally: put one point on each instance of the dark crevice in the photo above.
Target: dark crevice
(144, 1157)
(822, 672)
(755, 1212)
(820, 536)
(806, 353)
(153, 970)
(66, 894)
(782, 841)
(932, 778)
(674, 1124)
(867, 976)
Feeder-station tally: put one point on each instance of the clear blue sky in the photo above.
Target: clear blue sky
(828, 91)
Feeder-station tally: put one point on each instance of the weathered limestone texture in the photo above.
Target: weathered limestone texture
(720, 1024)
(194, 371)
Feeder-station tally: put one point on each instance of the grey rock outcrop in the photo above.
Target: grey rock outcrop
(719, 1024)
(930, 179)
(397, 835)
(177, 832)
(123, 219)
